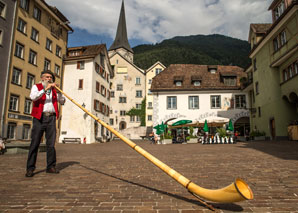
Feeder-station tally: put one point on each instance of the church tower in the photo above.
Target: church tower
(120, 43)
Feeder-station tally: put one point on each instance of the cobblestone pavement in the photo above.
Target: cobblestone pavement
(112, 177)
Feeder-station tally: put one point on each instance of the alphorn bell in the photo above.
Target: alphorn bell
(235, 192)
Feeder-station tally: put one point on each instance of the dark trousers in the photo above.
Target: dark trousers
(46, 124)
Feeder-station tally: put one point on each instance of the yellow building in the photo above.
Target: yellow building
(151, 72)
(39, 43)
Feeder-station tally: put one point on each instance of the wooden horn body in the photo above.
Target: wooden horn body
(235, 192)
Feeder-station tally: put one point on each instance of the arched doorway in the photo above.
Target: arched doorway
(242, 126)
(122, 125)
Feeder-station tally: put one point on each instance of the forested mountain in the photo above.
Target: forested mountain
(196, 49)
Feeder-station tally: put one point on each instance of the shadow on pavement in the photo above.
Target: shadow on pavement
(225, 206)
(60, 166)
(286, 150)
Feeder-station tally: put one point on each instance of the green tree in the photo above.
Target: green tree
(139, 112)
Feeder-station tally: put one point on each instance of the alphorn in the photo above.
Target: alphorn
(235, 192)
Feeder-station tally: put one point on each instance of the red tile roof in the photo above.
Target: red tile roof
(164, 81)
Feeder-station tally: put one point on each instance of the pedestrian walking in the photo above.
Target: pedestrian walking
(45, 112)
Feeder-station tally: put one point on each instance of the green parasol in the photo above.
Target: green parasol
(230, 126)
(206, 128)
(181, 122)
(160, 128)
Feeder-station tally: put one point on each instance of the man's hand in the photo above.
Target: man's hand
(50, 85)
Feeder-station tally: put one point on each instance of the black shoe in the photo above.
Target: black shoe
(52, 170)
(29, 173)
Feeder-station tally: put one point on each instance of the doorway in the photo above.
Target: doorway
(272, 128)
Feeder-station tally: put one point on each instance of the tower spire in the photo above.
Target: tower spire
(121, 40)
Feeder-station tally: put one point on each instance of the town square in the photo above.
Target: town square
(136, 106)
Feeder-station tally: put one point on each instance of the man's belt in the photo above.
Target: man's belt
(48, 114)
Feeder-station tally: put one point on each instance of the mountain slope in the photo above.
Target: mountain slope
(197, 49)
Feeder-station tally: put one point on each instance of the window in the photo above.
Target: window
(132, 118)
(278, 11)
(37, 13)
(111, 121)
(138, 106)
(34, 34)
(285, 75)
(193, 102)
(49, 44)
(215, 101)
(240, 101)
(230, 81)
(122, 112)
(122, 99)
(19, 51)
(16, 76)
(112, 94)
(11, 130)
(102, 60)
(14, 103)
(139, 93)
(26, 131)
(47, 64)
(32, 57)
(119, 87)
(138, 81)
(150, 81)
(81, 65)
(257, 87)
(2, 9)
(97, 85)
(150, 105)
(178, 83)
(275, 44)
(259, 112)
(197, 83)
(24, 4)
(81, 83)
(58, 51)
(157, 71)
(28, 106)
(171, 102)
(96, 105)
(22, 26)
(296, 67)
(138, 119)
(1, 36)
(103, 91)
(283, 38)
(57, 69)
(255, 64)
(30, 81)
(290, 71)
(149, 118)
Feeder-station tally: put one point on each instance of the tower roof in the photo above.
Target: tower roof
(121, 40)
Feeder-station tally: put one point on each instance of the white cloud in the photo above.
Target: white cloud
(154, 20)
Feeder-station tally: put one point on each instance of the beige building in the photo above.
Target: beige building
(128, 88)
(151, 72)
(39, 43)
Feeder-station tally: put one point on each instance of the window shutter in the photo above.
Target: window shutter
(78, 65)
(94, 104)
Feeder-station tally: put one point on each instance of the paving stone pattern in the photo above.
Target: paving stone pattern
(112, 177)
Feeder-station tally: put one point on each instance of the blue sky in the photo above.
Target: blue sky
(151, 21)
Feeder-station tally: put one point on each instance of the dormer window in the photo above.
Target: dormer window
(229, 79)
(196, 80)
(178, 80)
(279, 10)
(212, 69)
(178, 83)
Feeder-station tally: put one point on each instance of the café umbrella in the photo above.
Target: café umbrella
(206, 128)
(230, 126)
(160, 128)
(181, 122)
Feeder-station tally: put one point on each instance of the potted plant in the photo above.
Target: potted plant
(257, 135)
